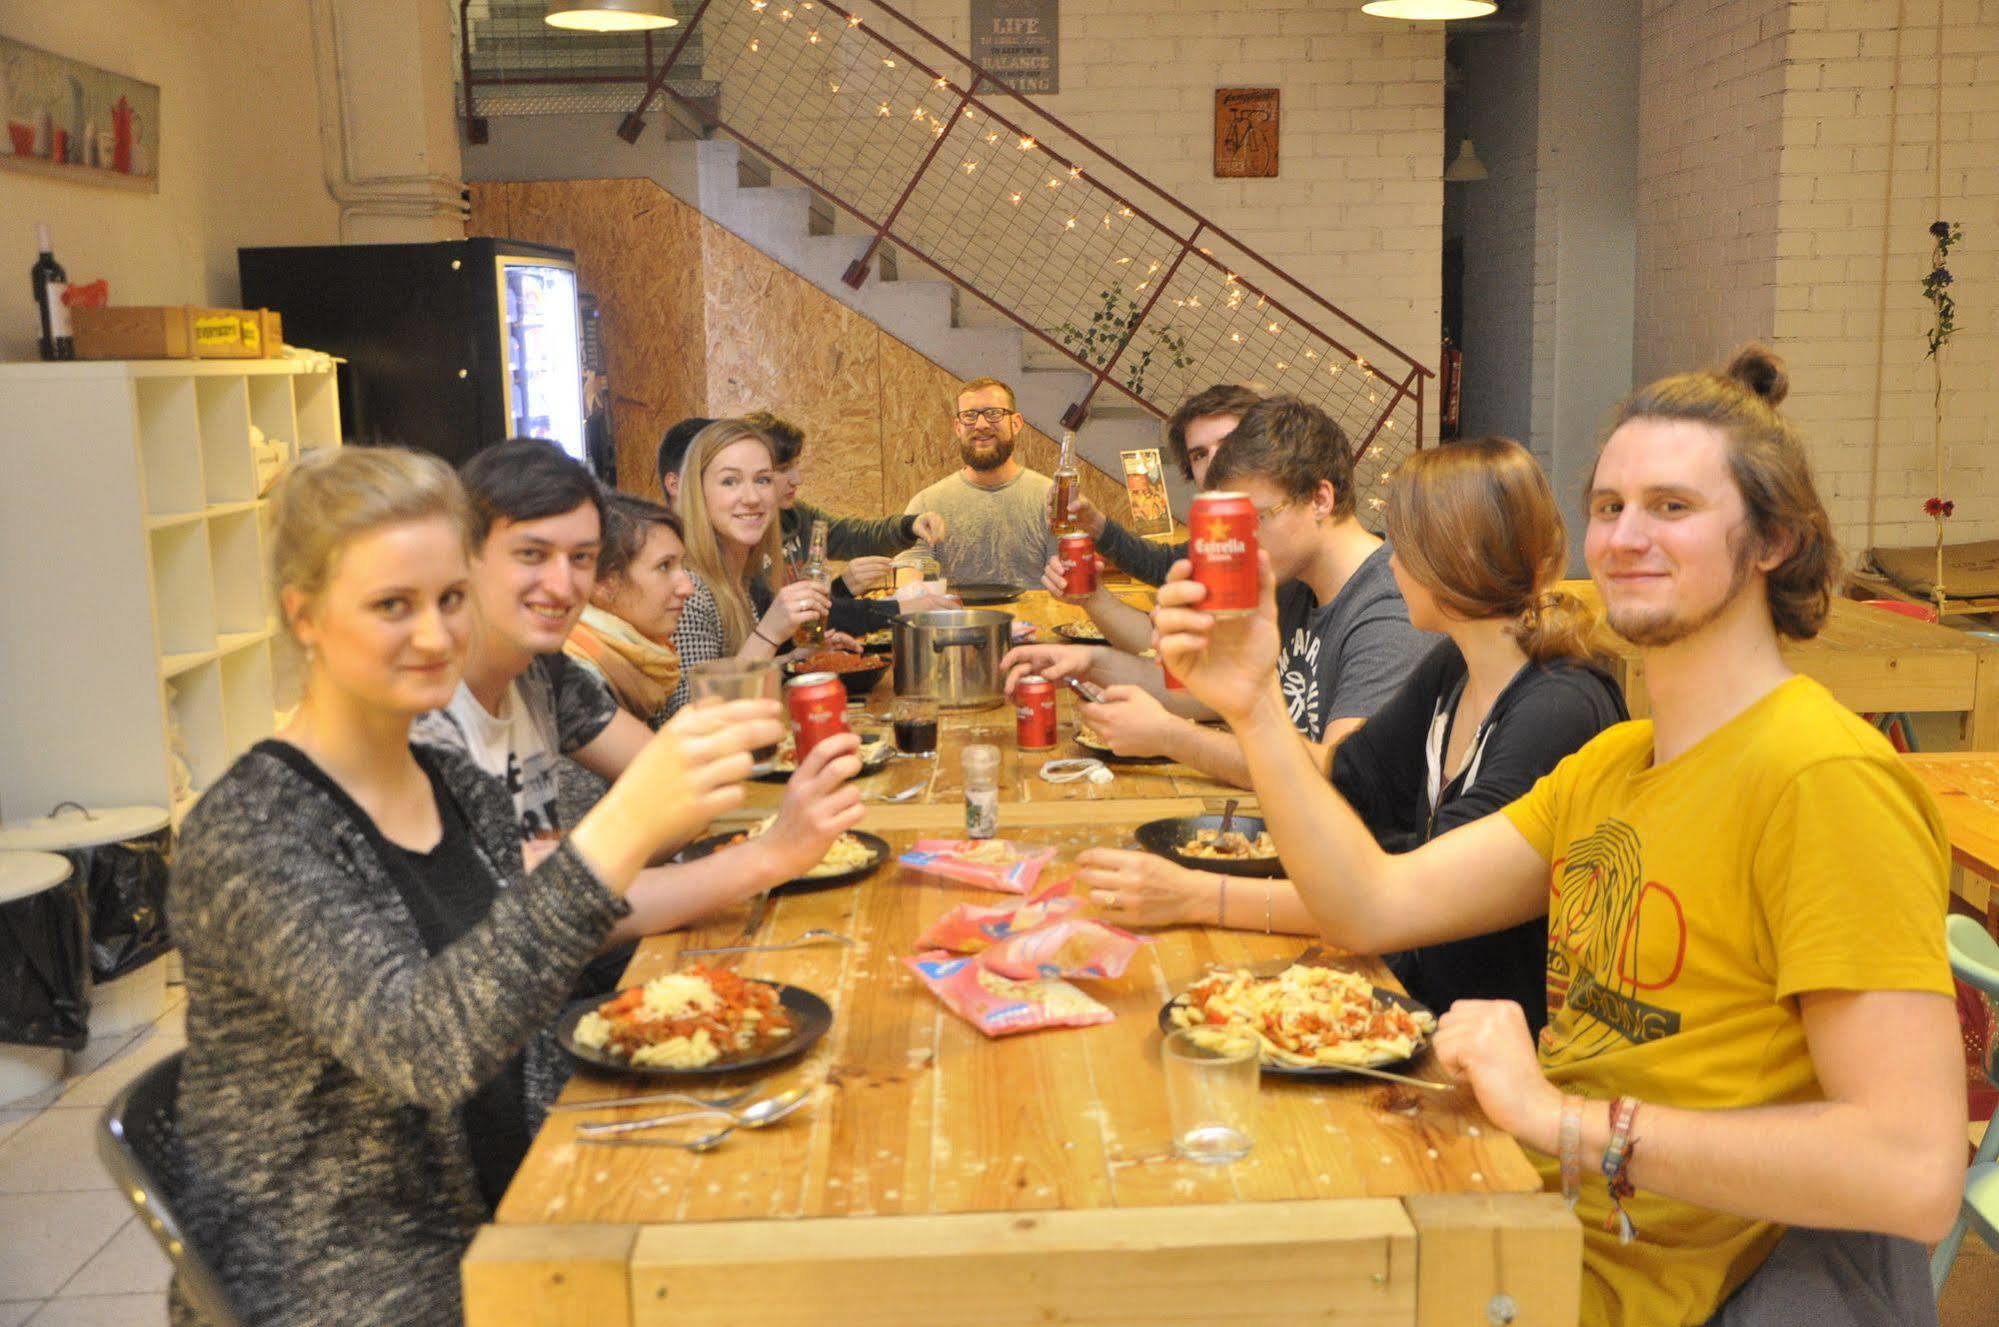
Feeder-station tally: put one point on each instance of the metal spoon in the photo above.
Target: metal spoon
(1228, 818)
(805, 939)
(902, 796)
(756, 1115)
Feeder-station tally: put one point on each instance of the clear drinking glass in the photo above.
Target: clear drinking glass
(738, 679)
(914, 719)
(1211, 1093)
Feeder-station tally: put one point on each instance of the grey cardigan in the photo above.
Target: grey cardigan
(328, 1173)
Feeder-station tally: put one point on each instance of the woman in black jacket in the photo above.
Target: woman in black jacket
(1478, 549)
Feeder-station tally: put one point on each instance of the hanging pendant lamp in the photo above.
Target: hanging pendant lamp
(1430, 10)
(609, 15)
(1465, 165)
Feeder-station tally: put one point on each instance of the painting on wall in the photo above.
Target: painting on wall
(74, 121)
(1245, 133)
(1145, 484)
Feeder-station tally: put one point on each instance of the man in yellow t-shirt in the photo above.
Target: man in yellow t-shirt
(1750, 1014)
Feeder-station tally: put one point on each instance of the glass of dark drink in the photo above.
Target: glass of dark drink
(914, 719)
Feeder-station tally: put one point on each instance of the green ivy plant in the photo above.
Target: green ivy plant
(1114, 323)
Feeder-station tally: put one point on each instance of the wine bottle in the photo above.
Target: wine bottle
(50, 282)
(1068, 483)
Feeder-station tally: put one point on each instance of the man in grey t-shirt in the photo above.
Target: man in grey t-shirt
(995, 508)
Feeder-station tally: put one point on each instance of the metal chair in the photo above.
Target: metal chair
(139, 1143)
(1974, 958)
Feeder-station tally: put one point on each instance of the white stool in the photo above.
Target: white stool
(26, 1070)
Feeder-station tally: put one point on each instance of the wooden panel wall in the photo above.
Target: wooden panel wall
(697, 322)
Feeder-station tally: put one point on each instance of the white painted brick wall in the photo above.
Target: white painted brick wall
(1769, 192)
(1839, 170)
(1356, 211)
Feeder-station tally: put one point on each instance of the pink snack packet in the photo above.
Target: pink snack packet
(1000, 864)
(970, 927)
(999, 1006)
(1065, 947)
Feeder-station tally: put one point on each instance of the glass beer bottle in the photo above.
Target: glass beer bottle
(813, 633)
(1068, 485)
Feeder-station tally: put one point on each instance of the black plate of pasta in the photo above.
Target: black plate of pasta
(1198, 842)
(853, 856)
(1310, 1021)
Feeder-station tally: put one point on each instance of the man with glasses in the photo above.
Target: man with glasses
(995, 508)
(1345, 639)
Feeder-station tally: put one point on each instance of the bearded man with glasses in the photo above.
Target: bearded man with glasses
(995, 507)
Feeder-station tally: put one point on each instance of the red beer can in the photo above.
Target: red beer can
(818, 705)
(1223, 550)
(1173, 683)
(1034, 704)
(1078, 550)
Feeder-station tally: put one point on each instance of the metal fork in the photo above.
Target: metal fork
(654, 1098)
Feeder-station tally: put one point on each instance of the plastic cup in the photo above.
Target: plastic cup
(1211, 1094)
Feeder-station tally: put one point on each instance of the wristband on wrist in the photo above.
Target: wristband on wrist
(1571, 1143)
(1616, 1164)
(1266, 908)
(1221, 900)
(759, 634)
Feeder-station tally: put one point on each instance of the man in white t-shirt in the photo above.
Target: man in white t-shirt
(523, 705)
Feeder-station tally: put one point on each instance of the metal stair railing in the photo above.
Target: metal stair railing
(934, 154)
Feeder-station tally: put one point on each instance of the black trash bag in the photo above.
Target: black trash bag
(45, 968)
(126, 884)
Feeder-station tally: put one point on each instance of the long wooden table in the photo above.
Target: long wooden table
(945, 1178)
(1967, 791)
(1871, 660)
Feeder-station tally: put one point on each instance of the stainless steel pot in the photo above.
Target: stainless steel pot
(952, 655)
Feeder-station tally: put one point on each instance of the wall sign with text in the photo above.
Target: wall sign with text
(1019, 41)
(1245, 133)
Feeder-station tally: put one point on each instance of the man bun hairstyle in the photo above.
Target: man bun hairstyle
(526, 479)
(1294, 445)
(1766, 457)
(1224, 398)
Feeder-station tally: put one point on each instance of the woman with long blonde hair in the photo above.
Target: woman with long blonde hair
(728, 503)
(1478, 549)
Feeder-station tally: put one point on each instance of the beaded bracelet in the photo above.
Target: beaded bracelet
(1572, 1149)
(1266, 908)
(1222, 900)
(1616, 1163)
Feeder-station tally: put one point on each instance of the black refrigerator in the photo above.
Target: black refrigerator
(450, 347)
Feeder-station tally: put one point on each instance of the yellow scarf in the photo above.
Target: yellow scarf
(640, 671)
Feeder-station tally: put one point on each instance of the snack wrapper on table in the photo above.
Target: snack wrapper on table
(1067, 947)
(971, 927)
(1000, 864)
(1000, 1006)
(1022, 631)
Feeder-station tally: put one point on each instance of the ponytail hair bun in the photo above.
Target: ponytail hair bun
(1759, 370)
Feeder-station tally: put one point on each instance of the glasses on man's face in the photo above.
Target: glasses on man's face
(992, 414)
(1263, 514)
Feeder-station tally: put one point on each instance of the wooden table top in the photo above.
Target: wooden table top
(942, 779)
(921, 1114)
(1967, 790)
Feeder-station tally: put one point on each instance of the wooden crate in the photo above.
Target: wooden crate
(176, 331)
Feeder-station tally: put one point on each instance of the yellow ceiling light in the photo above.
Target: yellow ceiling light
(1432, 10)
(609, 15)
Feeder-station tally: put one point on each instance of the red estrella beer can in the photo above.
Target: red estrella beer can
(1078, 550)
(818, 705)
(1173, 683)
(1222, 547)
(1034, 705)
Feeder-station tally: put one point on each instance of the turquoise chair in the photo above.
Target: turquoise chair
(1974, 958)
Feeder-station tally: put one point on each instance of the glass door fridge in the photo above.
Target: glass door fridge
(542, 380)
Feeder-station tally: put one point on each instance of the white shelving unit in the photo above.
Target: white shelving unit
(136, 624)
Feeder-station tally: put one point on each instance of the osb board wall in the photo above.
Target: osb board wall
(698, 322)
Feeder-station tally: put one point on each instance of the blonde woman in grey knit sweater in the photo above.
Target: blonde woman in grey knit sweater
(365, 959)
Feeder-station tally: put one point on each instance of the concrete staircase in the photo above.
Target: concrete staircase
(795, 228)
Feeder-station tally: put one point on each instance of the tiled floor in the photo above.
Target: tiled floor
(74, 1254)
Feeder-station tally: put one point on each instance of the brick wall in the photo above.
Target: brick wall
(1710, 116)
(1850, 195)
(1355, 212)
(1775, 203)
